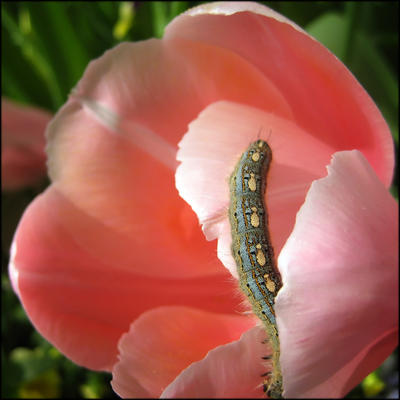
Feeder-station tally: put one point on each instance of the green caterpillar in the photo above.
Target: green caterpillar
(252, 249)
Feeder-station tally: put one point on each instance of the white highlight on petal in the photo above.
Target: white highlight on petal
(138, 134)
(12, 270)
(230, 8)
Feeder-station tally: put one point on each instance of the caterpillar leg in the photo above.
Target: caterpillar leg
(273, 388)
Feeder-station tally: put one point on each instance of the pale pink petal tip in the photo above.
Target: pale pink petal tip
(230, 371)
(164, 341)
(340, 281)
(233, 7)
(12, 270)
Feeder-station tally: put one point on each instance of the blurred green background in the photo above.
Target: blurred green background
(45, 48)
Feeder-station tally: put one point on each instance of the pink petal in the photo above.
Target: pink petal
(172, 80)
(81, 302)
(164, 341)
(96, 147)
(322, 94)
(22, 138)
(210, 150)
(339, 384)
(230, 371)
(112, 213)
(126, 197)
(340, 288)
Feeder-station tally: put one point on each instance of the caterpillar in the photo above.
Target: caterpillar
(251, 246)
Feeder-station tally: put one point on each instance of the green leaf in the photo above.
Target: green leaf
(177, 7)
(45, 386)
(372, 385)
(60, 44)
(331, 30)
(33, 362)
(160, 17)
(33, 56)
(125, 20)
(11, 375)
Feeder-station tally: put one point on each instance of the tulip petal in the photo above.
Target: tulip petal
(80, 302)
(173, 80)
(22, 137)
(339, 270)
(230, 371)
(164, 341)
(323, 95)
(339, 384)
(112, 215)
(102, 160)
(210, 150)
(125, 197)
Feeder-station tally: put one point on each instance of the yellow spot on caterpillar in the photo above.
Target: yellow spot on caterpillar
(254, 219)
(269, 283)
(260, 255)
(252, 183)
(256, 156)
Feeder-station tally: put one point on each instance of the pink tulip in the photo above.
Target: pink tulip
(23, 160)
(111, 265)
(339, 264)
